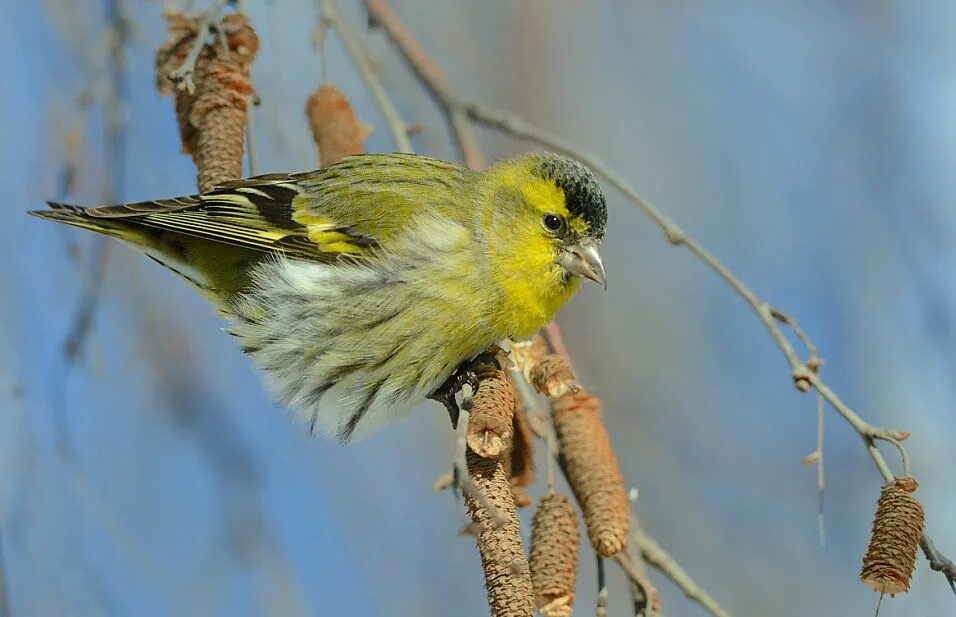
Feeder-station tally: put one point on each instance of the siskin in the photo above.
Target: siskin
(374, 279)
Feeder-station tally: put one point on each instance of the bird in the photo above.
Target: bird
(373, 280)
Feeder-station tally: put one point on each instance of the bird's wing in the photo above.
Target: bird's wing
(381, 195)
(344, 209)
(254, 213)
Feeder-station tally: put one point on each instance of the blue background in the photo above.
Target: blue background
(809, 144)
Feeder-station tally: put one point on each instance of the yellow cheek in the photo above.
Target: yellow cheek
(533, 286)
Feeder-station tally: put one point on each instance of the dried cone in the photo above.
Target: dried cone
(592, 469)
(587, 453)
(554, 556)
(492, 416)
(169, 57)
(507, 578)
(212, 118)
(552, 376)
(897, 530)
(336, 129)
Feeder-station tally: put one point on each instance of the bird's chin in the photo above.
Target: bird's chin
(568, 278)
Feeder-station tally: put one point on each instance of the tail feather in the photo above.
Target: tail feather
(218, 270)
(78, 217)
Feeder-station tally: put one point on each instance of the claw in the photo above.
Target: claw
(466, 373)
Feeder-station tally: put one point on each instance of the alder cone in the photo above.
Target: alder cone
(212, 118)
(552, 376)
(507, 577)
(336, 129)
(491, 421)
(592, 470)
(897, 531)
(554, 555)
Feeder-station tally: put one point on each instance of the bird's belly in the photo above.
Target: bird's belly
(364, 342)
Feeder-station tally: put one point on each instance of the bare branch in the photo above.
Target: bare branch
(938, 561)
(821, 473)
(396, 125)
(662, 560)
(805, 374)
(252, 152)
(647, 601)
(771, 317)
(433, 78)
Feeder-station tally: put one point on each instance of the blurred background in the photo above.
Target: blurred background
(144, 471)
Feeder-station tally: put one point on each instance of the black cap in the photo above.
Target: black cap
(583, 195)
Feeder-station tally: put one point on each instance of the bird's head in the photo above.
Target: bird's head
(556, 215)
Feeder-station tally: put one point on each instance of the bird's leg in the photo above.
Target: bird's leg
(445, 394)
(466, 373)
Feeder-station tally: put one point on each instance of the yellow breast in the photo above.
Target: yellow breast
(532, 288)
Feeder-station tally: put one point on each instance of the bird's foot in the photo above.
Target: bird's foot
(466, 373)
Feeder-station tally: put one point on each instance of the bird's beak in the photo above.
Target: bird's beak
(584, 260)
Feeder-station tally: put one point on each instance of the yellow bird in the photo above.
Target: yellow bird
(372, 280)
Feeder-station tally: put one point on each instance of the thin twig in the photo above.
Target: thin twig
(821, 478)
(804, 373)
(252, 152)
(647, 601)
(767, 314)
(662, 560)
(396, 125)
(602, 593)
(938, 561)
(545, 428)
(433, 78)
(644, 594)
(770, 316)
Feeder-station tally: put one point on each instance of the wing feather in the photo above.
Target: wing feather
(348, 208)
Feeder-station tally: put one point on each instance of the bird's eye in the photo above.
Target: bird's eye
(553, 222)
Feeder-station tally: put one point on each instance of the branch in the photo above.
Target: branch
(647, 601)
(551, 376)
(433, 78)
(252, 151)
(802, 372)
(396, 125)
(768, 314)
(938, 561)
(662, 560)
